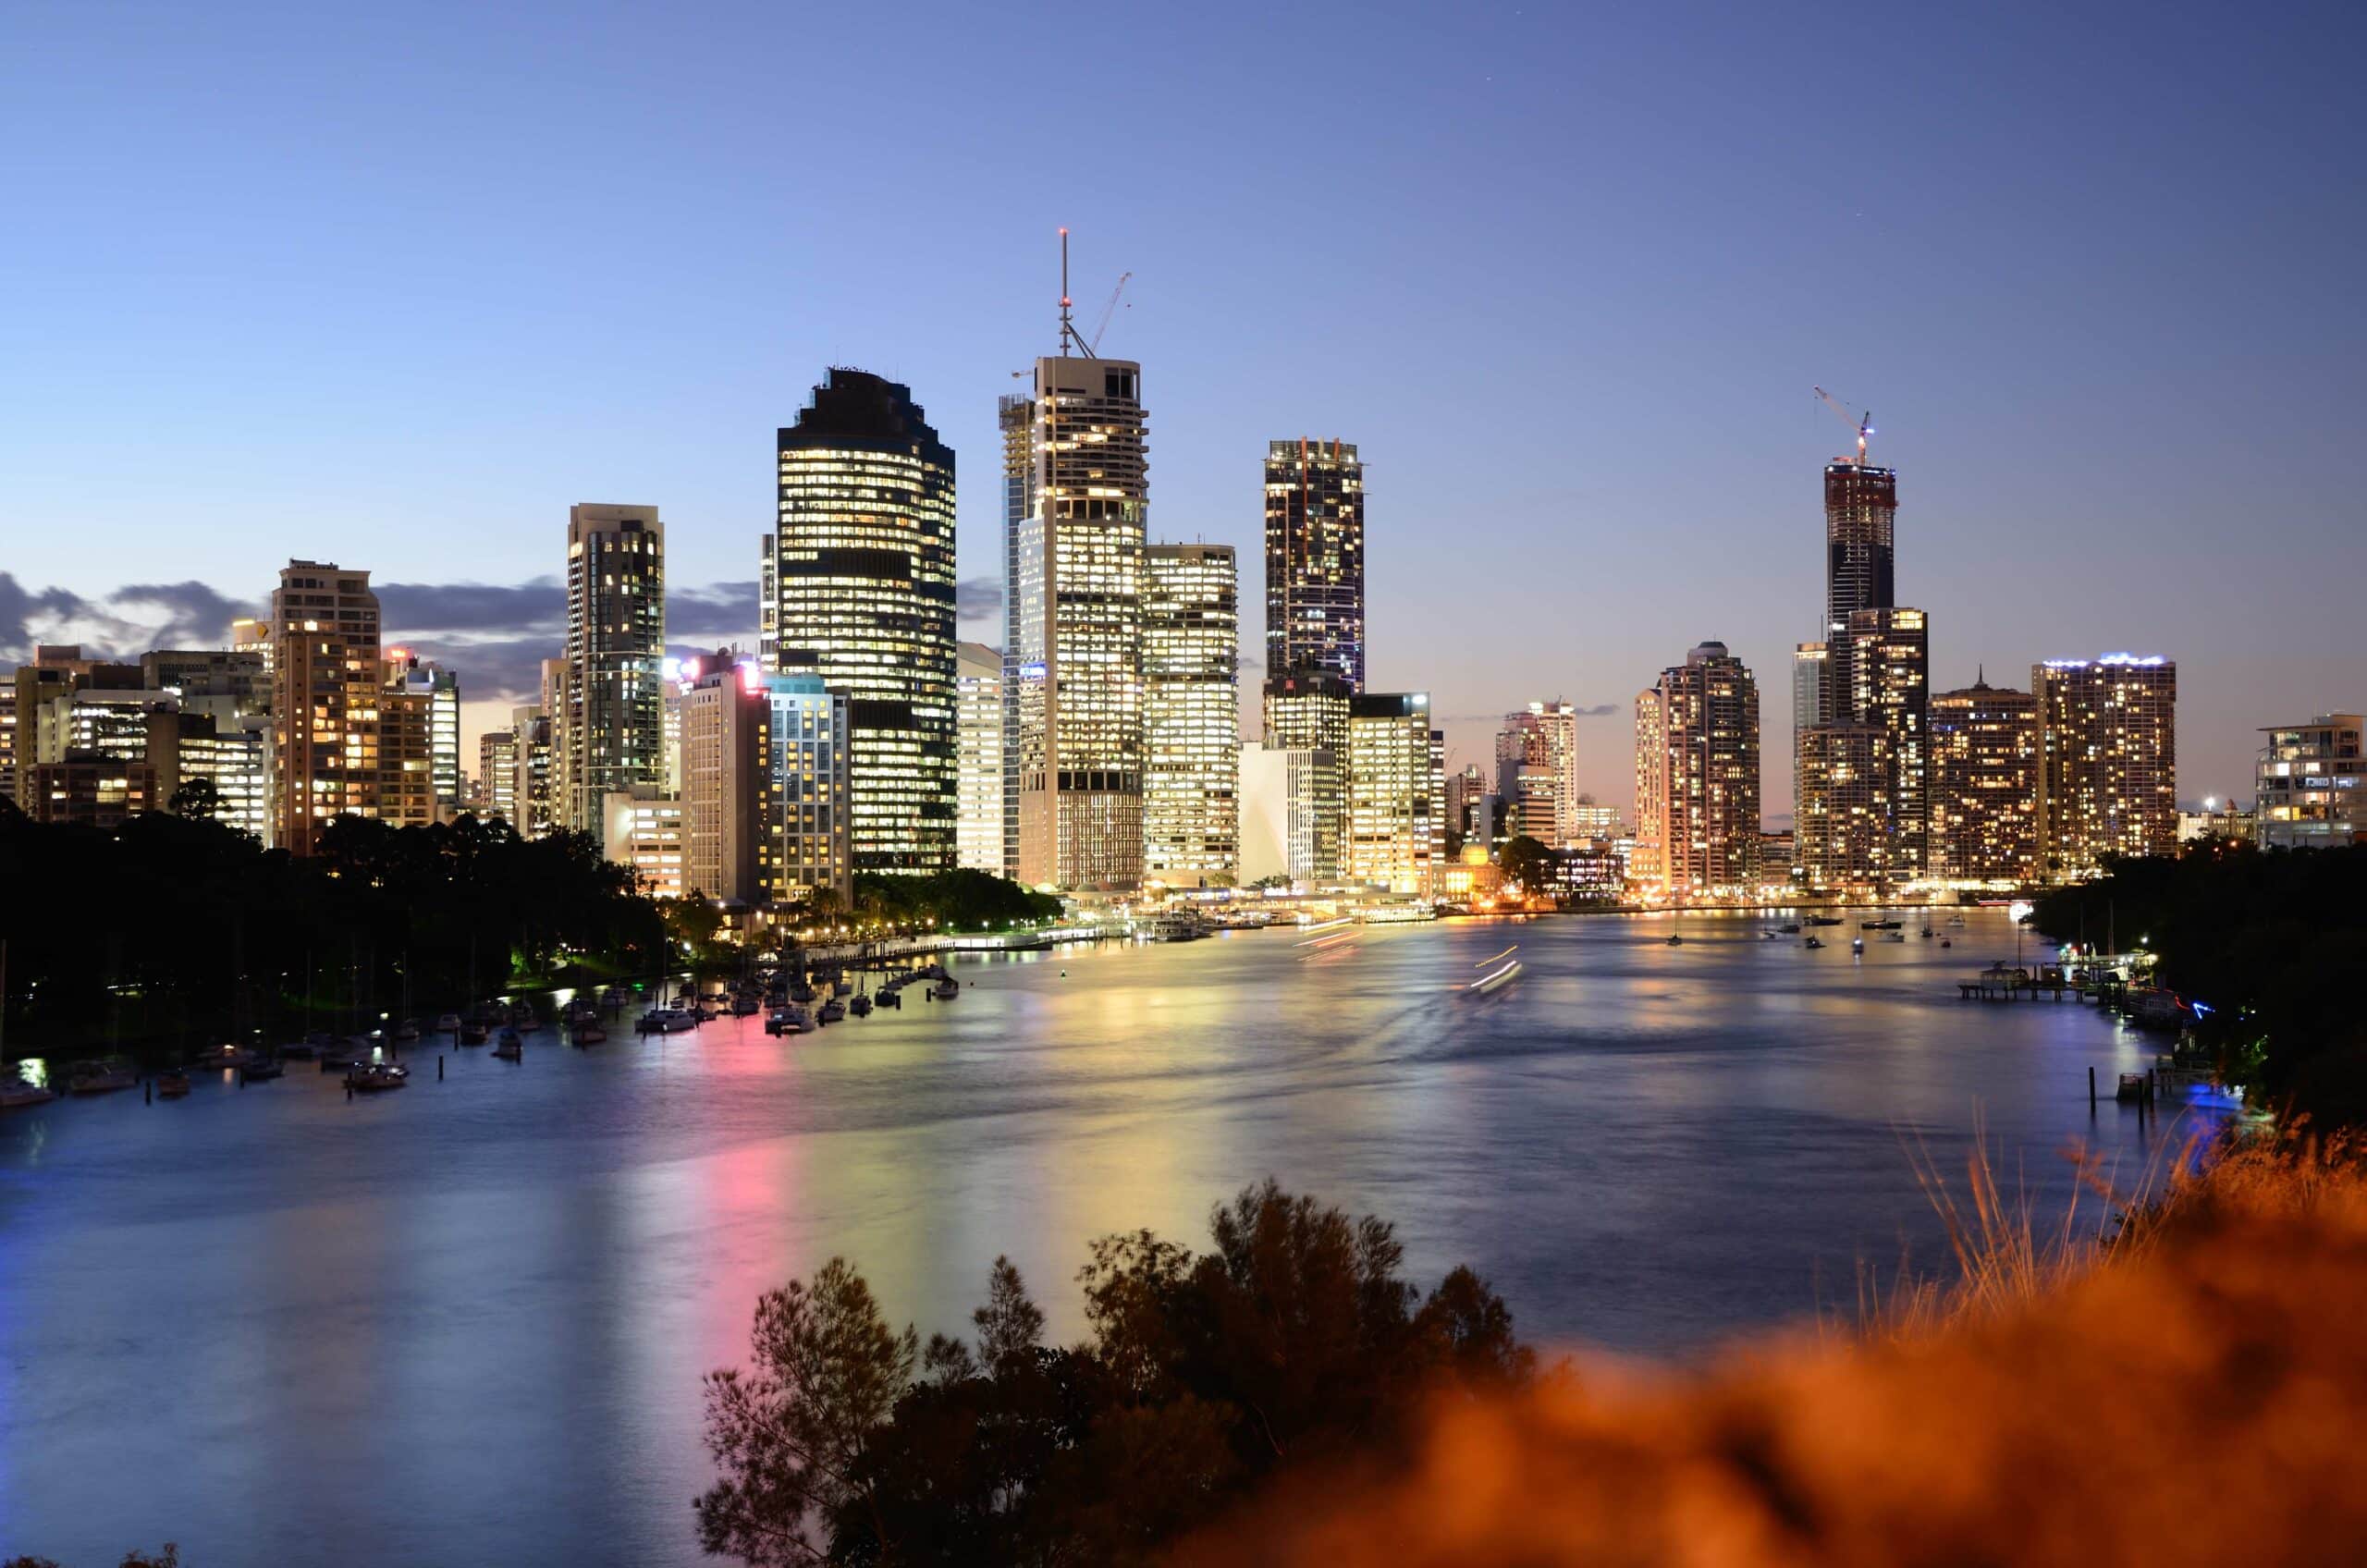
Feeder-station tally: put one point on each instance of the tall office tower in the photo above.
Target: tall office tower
(1396, 821)
(325, 691)
(979, 832)
(1290, 816)
(530, 781)
(497, 774)
(2107, 760)
(1648, 862)
(863, 575)
(1537, 772)
(806, 847)
(1888, 664)
(1984, 785)
(557, 791)
(1315, 560)
(1191, 715)
(439, 690)
(725, 763)
(1706, 775)
(2308, 784)
(1077, 634)
(229, 753)
(1861, 510)
(608, 725)
(1015, 416)
(1307, 711)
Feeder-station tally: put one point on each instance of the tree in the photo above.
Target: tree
(789, 1434)
(1526, 862)
(196, 798)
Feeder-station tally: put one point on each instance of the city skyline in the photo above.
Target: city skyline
(2053, 438)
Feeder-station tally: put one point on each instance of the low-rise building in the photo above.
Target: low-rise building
(642, 827)
(2308, 779)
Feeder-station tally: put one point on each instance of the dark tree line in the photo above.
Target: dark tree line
(1293, 1343)
(960, 900)
(2273, 943)
(176, 930)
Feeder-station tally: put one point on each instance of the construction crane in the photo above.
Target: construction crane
(1862, 422)
(1107, 312)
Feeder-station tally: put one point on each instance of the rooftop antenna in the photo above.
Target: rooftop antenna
(1067, 328)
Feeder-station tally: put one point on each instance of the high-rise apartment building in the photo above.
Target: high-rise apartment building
(497, 774)
(2308, 777)
(1866, 825)
(530, 786)
(980, 840)
(1698, 768)
(438, 690)
(1191, 715)
(807, 847)
(406, 794)
(2107, 760)
(323, 634)
(1396, 815)
(861, 561)
(1984, 785)
(1537, 773)
(608, 722)
(1074, 652)
(1812, 703)
(1315, 560)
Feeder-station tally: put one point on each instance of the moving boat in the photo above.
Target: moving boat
(172, 1085)
(1173, 926)
(1813, 942)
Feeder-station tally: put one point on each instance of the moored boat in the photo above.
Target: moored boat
(371, 1077)
(263, 1070)
(172, 1085)
(98, 1078)
(17, 1094)
(859, 1005)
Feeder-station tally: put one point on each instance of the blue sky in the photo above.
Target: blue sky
(393, 285)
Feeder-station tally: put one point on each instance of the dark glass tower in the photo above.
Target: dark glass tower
(1861, 507)
(862, 573)
(1315, 560)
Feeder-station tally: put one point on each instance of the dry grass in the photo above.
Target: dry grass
(2176, 1380)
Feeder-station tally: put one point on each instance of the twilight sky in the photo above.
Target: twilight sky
(393, 285)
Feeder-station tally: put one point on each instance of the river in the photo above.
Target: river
(465, 1322)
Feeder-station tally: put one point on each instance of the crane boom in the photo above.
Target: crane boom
(1862, 422)
(1107, 312)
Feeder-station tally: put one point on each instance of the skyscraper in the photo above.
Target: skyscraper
(2108, 760)
(1290, 816)
(806, 846)
(1700, 726)
(439, 690)
(1537, 773)
(1811, 700)
(1076, 633)
(1984, 785)
(323, 658)
(608, 726)
(1648, 864)
(979, 834)
(861, 564)
(1396, 815)
(1865, 825)
(1860, 512)
(724, 761)
(1190, 714)
(1315, 560)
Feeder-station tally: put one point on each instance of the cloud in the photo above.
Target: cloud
(1600, 710)
(977, 598)
(28, 616)
(725, 609)
(195, 616)
(418, 609)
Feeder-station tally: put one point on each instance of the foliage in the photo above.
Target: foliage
(1526, 862)
(959, 899)
(179, 927)
(1292, 1342)
(2272, 943)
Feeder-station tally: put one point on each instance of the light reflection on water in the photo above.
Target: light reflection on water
(466, 1322)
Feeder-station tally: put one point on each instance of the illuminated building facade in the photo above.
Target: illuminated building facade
(725, 759)
(2308, 779)
(529, 780)
(606, 717)
(2107, 760)
(1537, 773)
(861, 561)
(643, 828)
(1869, 829)
(1811, 703)
(1984, 785)
(1191, 715)
(8, 740)
(806, 843)
(1697, 766)
(1464, 792)
(438, 690)
(1860, 517)
(1396, 816)
(92, 789)
(1315, 560)
(323, 631)
(980, 840)
(497, 774)
(1290, 816)
(1075, 648)
(238, 676)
